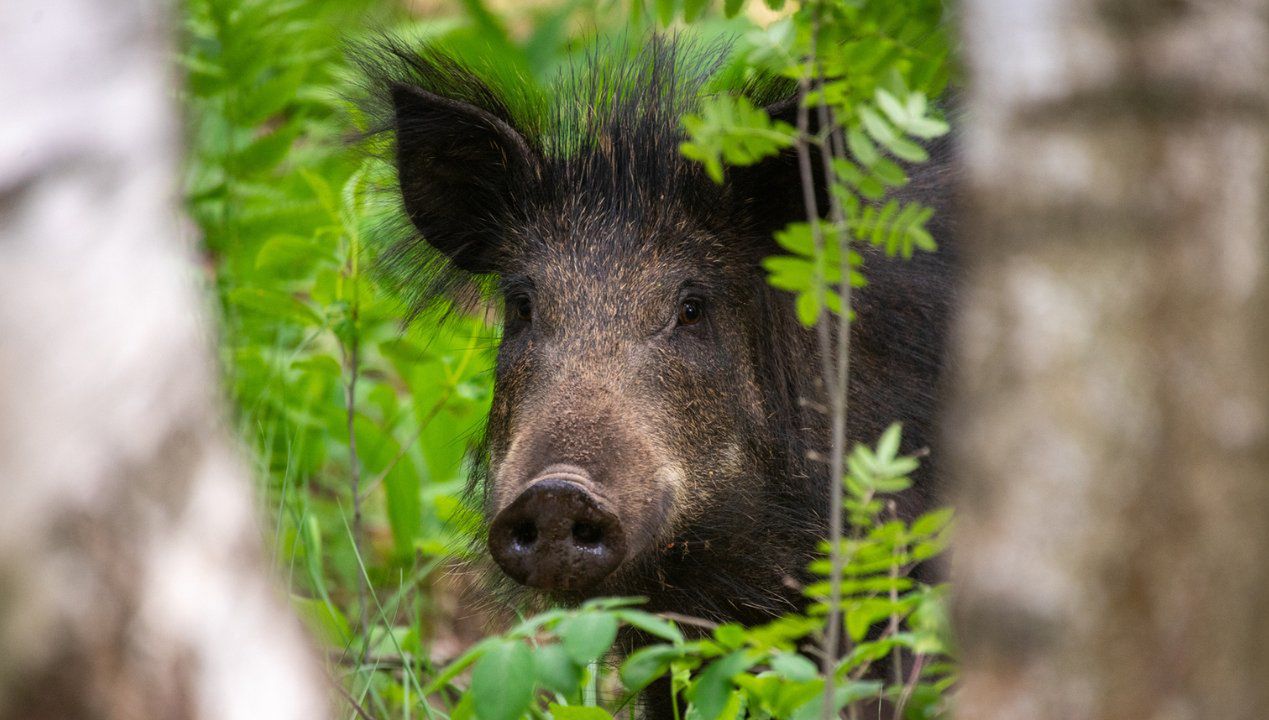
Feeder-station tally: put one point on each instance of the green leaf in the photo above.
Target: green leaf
(889, 173)
(891, 484)
(713, 688)
(692, 9)
(651, 624)
(882, 132)
(730, 635)
(792, 666)
(861, 147)
(291, 256)
(461, 663)
(264, 153)
(465, 709)
(323, 619)
(932, 522)
(863, 614)
(730, 128)
(665, 11)
(579, 712)
(587, 635)
(808, 308)
(269, 96)
(888, 445)
(275, 304)
(893, 109)
(789, 273)
(845, 693)
(502, 681)
(647, 664)
(555, 670)
(404, 502)
(731, 8)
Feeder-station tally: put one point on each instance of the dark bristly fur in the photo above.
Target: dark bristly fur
(578, 201)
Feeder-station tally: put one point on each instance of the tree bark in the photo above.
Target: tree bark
(1111, 418)
(132, 581)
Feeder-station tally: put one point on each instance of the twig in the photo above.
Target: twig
(356, 706)
(910, 687)
(689, 620)
(896, 657)
(834, 373)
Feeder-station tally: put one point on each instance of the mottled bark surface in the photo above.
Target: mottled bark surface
(1111, 422)
(132, 581)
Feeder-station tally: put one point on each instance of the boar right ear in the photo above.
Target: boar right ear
(459, 168)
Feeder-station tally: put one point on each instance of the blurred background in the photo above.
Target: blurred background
(1108, 426)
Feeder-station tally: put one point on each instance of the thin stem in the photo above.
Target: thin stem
(810, 204)
(352, 358)
(836, 366)
(896, 657)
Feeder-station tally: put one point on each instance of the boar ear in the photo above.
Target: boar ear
(770, 192)
(459, 168)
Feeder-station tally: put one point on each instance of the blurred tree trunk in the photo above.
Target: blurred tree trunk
(132, 578)
(1111, 421)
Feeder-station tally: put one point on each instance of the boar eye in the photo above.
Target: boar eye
(522, 308)
(691, 310)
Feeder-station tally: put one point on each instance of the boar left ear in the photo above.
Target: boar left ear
(769, 193)
(460, 168)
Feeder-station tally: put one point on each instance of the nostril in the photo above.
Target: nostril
(585, 533)
(524, 533)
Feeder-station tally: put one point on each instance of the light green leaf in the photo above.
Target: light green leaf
(324, 619)
(713, 688)
(651, 624)
(808, 308)
(888, 444)
(792, 666)
(502, 681)
(587, 635)
(665, 11)
(730, 635)
(555, 670)
(932, 522)
(579, 712)
(647, 664)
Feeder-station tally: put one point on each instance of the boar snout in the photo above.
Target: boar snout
(557, 535)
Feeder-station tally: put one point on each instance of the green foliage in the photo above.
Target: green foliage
(736, 672)
(729, 128)
(357, 422)
(871, 66)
